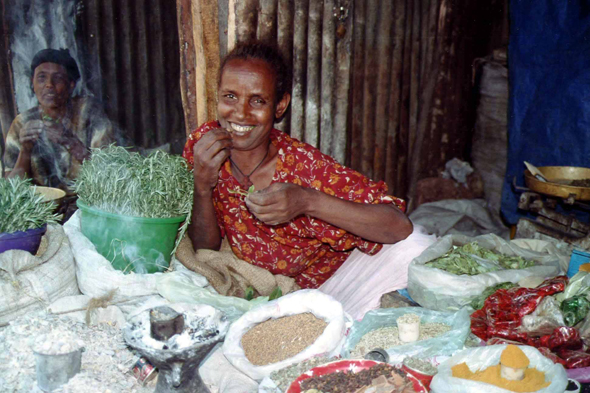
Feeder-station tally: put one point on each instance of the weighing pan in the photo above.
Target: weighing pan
(559, 178)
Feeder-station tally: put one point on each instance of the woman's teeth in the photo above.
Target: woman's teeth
(238, 128)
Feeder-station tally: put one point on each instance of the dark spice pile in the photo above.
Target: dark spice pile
(348, 382)
(580, 183)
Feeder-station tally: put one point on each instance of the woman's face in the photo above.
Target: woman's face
(247, 104)
(52, 85)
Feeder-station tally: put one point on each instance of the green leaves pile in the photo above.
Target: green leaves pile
(21, 208)
(122, 182)
(462, 260)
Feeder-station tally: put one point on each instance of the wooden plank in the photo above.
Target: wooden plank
(285, 36)
(342, 92)
(357, 91)
(314, 61)
(210, 31)
(369, 86)
(223, 20)
(328, 32)
(187, 64)
(383, 88)
(201, 62)
(246, 20)
(108, 59)
(395, 178)
(267, 20)
(7, 100)
(299, 69)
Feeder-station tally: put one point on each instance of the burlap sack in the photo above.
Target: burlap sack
(230, 275)
(31, 282)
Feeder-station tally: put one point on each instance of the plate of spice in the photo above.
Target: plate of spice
(356, 376)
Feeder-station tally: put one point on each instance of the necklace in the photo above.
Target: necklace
(246, 181)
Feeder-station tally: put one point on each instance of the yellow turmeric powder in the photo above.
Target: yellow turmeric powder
(533, 379)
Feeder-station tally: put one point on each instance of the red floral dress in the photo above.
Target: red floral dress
(306, 248)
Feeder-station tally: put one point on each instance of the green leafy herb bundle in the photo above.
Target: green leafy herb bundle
(472, 259)
(118, 181)
(21, 208)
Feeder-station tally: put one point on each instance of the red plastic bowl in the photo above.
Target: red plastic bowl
(347, 365)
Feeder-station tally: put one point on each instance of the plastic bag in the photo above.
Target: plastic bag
(181, 289)
(479, 301)
(436, 289)
(503, 311)
(481, 358)
(445, 344)
(575, 309)
(546, 317)
(579, 284)
(304, 301)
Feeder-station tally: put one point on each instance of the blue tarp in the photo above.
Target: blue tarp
(549, 74)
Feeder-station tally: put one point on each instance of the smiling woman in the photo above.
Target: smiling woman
(49, 142)
(308, 212)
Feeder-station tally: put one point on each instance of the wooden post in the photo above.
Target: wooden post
(188, 83)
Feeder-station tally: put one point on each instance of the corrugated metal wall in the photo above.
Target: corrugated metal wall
(382, 85)
(132, 59)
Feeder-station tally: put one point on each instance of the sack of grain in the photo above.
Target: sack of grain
(440, 290)
(287, 326)
(484, 357)
(31, 282)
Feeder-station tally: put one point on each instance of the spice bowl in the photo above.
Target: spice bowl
(54, 371)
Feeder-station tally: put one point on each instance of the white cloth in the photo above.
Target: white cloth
(361, 281)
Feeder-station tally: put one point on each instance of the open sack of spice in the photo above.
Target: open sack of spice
(285, 331)
(456, 269)
(407, 331)
(504, 369)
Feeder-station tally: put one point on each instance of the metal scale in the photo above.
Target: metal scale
(542, 199)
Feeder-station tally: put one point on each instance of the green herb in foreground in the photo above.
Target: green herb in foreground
(241, 192)
(126, 183)
(22, 208)
(472, 259)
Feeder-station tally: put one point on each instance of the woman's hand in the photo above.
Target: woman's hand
(30, 134)
(209, 153)
(278, 203)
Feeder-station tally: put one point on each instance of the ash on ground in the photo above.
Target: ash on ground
(200, 325)
(106, 361)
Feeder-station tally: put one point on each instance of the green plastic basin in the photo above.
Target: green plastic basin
(131, 244)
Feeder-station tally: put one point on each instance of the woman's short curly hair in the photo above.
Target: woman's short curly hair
(266, 52)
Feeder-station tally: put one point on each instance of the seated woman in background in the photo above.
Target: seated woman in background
(49, 142)
(308, 212)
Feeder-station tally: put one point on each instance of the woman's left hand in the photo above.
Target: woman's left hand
(278, 203)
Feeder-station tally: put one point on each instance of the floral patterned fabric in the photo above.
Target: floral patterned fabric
(308, 249)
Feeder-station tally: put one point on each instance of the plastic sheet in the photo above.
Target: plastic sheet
(546, 317)
(446, 344)
(484, 357)
(181, 289)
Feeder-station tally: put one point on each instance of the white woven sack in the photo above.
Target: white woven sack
(97, 277)
(439, 290)
(484, 357)
(29, 282)
(329, 343)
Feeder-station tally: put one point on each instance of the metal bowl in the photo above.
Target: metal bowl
(558, 185)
